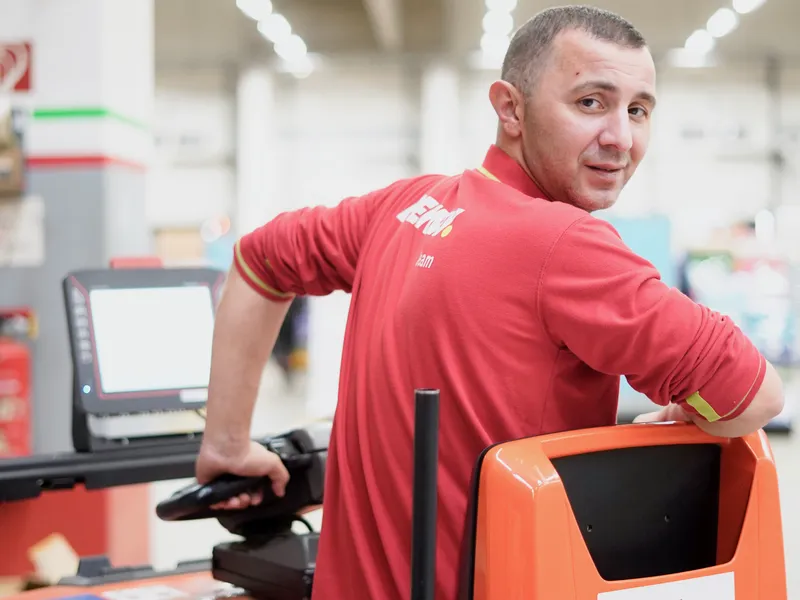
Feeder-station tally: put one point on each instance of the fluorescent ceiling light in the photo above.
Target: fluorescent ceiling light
(300, 68)
(498, 24)
(722, 22)
(255, 9)
(745, 6)
(275, 28)
(700, 42)
(291, 49)
(503, 5)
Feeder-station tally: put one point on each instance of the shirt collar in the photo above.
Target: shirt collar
(501, 167)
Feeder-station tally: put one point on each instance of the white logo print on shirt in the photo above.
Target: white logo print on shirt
(429, 212)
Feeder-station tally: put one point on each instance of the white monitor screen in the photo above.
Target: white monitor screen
(152, 338)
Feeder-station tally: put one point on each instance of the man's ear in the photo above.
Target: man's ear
(509, 105)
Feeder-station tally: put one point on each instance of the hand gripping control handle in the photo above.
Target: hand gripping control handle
(195, 501)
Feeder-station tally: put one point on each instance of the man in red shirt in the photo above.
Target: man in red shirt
(496, 286)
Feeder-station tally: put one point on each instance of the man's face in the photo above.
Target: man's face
(587, 121)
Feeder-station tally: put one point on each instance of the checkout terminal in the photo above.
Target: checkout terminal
(140, 347)
(629, 512)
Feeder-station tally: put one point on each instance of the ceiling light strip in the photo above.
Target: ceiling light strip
(701, 42)
(275, 28)
(498, 25)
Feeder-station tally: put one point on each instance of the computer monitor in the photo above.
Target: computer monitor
(141, 341)
(152, 339)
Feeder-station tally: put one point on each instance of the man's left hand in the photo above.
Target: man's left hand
(671, 412)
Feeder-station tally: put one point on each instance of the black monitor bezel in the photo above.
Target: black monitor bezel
(81, 282)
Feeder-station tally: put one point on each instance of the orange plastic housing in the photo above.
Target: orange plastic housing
(528, 543)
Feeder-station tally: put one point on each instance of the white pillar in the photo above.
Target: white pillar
(440, 142)
(88, 146)
(92, 78)
(256, 150)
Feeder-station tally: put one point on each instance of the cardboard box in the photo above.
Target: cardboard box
(12, 172)
(8, 135)
(10, 586)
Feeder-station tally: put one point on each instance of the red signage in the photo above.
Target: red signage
(15, 67)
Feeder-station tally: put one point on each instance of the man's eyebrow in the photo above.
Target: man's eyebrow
(607, 86)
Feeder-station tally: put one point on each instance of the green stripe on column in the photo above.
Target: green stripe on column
(86, 113)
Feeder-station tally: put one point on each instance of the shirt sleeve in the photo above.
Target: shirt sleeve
(608, 306)
(313, 251)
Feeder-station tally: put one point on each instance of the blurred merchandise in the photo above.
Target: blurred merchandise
(179, 246)
(747, 278)
(22, 231)
(12, 157)
(15, 381)
(291, 347)
(756, 293)
(218, 242)
(651, 238)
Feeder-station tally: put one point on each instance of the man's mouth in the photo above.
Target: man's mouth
(605, 168)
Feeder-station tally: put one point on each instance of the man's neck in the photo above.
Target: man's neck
(516, 153)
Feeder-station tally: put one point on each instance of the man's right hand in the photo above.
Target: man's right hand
(248, 460)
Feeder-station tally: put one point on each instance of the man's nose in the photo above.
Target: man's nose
(617, 131)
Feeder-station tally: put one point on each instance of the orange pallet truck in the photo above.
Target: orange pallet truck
(631, 512)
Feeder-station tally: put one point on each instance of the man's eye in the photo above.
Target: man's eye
(641, 112)
(588, 102)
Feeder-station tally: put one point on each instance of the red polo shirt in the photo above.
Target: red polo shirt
(522, 311)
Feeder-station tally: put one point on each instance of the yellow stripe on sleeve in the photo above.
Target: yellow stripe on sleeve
(254, 277)
(697, 402)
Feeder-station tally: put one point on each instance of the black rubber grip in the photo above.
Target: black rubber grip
(191, 500)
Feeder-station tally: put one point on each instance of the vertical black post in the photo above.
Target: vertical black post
(426, 460)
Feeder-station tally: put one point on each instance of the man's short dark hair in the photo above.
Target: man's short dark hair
(532, 42)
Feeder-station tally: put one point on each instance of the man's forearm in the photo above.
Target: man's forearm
(245, 331)
(725, 429)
